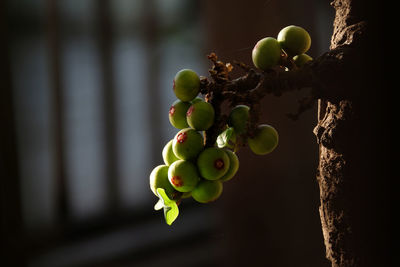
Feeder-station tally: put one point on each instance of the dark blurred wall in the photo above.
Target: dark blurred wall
(266, 216)
(270, 209)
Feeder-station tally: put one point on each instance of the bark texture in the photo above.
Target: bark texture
(352, 172)
(353, 130)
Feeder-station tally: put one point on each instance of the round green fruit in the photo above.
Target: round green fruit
(159, 179)
(187, 143)
(301, 59)
(207, 191)
(238, 118)
(266, 53)
(264, 141)
(183, 175)
(200, 115)
(186, 195)
(186, 85)
(168, 154)
(177, 114)
(294, 40)
(213, 163)
(233, 166)
(197, 99)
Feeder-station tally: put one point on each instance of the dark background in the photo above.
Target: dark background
(85, 91)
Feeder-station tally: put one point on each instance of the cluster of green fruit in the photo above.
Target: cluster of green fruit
(292, 43)
(265, 138)
(190, 169)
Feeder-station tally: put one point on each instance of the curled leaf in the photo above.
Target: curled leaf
(159, 205)
(171, 210)
(227, 138)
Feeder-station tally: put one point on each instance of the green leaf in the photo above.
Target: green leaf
(159, 205)
(171, 213)
(227, 138)
(171, 210)
(163, 196)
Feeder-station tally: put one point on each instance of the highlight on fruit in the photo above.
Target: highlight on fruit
(287, 50)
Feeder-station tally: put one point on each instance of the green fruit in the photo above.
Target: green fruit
(266, 53)
(177, 114)
(186, 85)
(207, 191)
(183, 175)
(187, 195)
(187, 144)
(197, 99)
(233, 166)
(264, 141)
(168, 154)
(213, 163)
(238, 118)
(159, 179)
(301, 59)
(200, 115)
(294, 40)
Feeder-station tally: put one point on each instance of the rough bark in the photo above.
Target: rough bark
(353, 130)
(351, 158)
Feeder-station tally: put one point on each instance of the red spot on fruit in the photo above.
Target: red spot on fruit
(177, 181)
(257, 45)
(219, 164)
(171, 110)
(190, 111)
(181, 137)
(173, 84)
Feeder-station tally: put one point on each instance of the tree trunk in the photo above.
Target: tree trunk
(353, 139)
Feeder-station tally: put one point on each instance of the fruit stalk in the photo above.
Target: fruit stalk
(248, 89)
(251, 87)
(214, 95)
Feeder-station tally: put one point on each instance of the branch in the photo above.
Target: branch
(321, 75)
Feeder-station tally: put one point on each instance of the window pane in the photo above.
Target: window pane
(84, 126)
(34, 129)
(130, 89)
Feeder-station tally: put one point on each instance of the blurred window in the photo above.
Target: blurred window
(146, 47)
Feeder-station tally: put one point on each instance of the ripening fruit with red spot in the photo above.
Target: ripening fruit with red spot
(183, 175)
(200, 115)
(264, 141)
(159, 179)
(207, 191)
(168, 154)
(177, 114)
(213, 163)
(266, 53)
(294, 40)
(238, 118)
(233, 166)
(186, 85)
(301, 59)
(187, 144)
